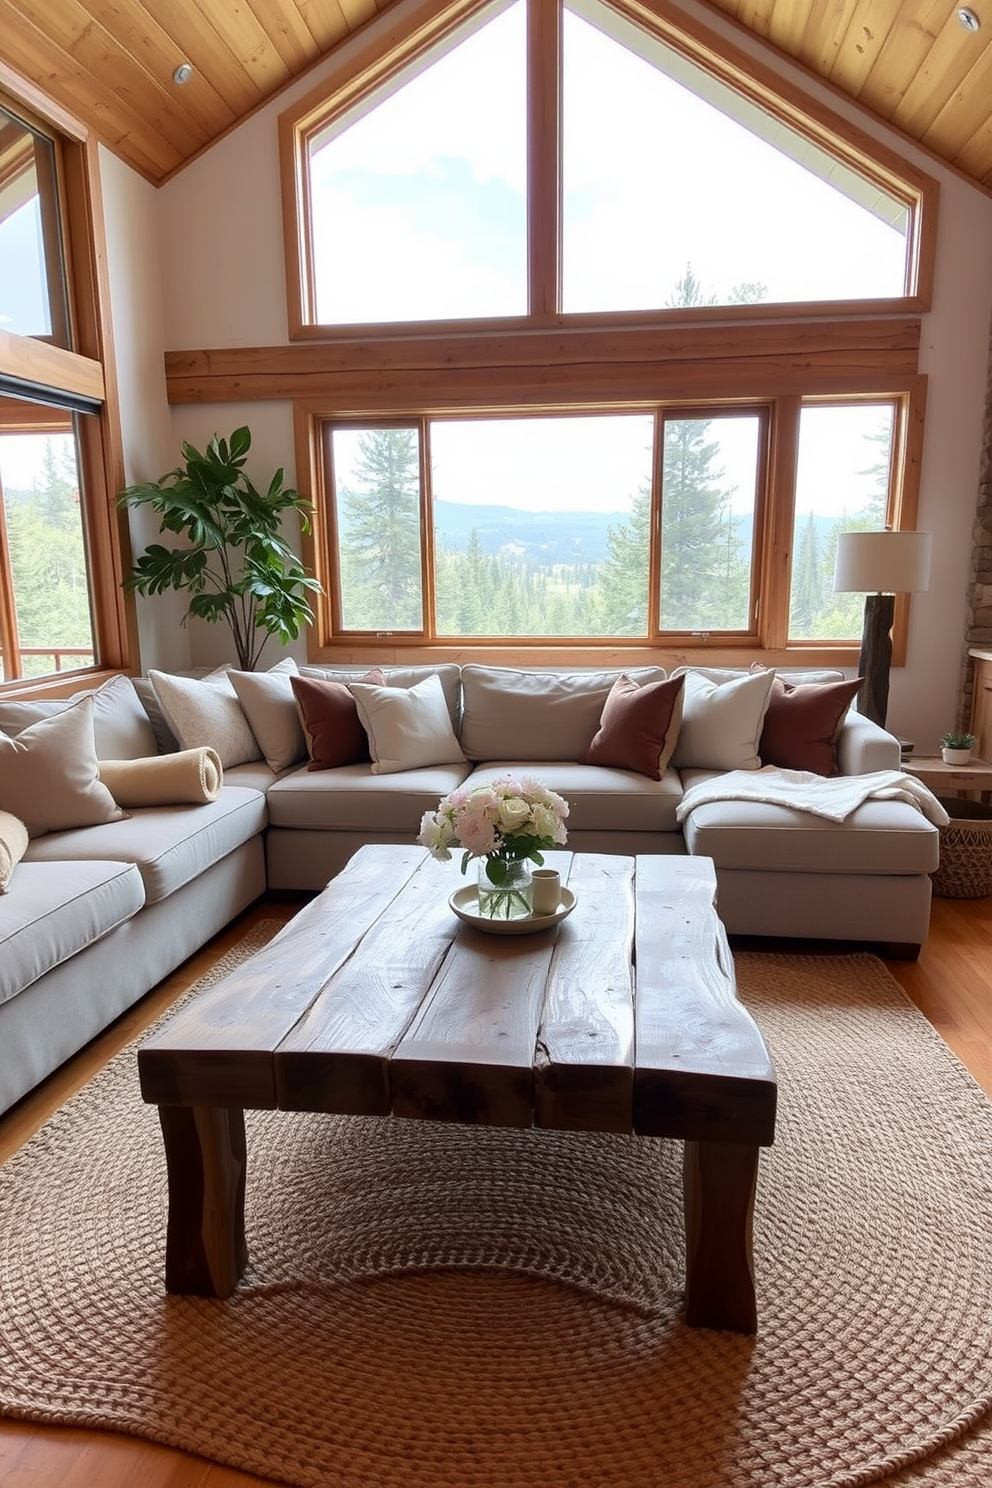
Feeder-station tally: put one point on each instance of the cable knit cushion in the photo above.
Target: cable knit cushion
(639, 727)
(13, 846)
(268, 703)
(722, 722)
(49, 774)
(205, 713)
(334, 733)
(802, 724)
(407, 727)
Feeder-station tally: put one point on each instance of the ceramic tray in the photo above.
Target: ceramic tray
(465, 903)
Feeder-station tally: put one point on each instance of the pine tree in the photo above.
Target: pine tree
(380, 536)
(808, 584)
(703, 574)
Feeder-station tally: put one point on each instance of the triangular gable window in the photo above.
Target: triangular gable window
(513, 168)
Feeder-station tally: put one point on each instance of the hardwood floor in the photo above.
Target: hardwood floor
(951, 984)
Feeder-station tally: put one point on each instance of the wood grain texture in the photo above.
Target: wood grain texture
(227, 1038)
(908, 62)
(703, 1070)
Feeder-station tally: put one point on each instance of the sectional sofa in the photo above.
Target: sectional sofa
(315, 761)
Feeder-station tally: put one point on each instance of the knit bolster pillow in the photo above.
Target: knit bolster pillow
(190, 777)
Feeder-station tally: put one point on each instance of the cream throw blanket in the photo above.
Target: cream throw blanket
(189, 777)
(833, 797)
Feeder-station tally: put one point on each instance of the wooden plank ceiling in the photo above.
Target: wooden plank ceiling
(111, 63)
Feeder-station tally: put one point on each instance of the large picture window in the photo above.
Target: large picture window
(638, 526)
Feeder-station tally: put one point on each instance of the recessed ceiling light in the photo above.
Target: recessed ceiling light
(182, 74)
(969, 19)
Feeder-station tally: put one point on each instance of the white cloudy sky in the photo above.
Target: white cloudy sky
(420, 207)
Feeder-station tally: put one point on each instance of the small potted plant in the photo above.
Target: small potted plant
(955, 748)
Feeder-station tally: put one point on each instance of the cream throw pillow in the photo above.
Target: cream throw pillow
(721, 722)
(121, 726)
(270, 708)
(408, 727)
(205, 712)
(49, 774)
(13, 846)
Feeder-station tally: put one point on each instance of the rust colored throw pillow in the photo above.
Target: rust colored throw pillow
(329, 715)
(802, 723)
(638, 727)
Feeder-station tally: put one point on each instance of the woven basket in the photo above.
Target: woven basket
(965, 869)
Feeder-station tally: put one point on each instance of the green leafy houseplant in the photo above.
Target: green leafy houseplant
(957, 741)
(235, 566)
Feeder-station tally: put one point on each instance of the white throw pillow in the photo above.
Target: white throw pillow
(205, 712)
(270, 708)
(121, 726)
(49, 774)
(721, 722)
(408, 727)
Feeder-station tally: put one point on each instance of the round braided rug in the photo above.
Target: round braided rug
(432, 1306)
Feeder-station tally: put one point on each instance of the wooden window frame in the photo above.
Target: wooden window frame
(423, 27)
(768, 641)
(83, 377)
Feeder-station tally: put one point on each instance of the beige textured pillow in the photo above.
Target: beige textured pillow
(407, 727)
(205, 712)
(49, 774)
(722, 722)
(270, 708)
(13, 846)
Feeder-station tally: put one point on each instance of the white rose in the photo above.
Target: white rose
(513, 814)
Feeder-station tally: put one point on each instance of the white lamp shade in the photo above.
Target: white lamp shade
(882, 562)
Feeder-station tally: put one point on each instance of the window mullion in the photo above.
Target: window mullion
(427, 532)
(544, 156)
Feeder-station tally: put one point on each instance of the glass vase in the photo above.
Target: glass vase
(511, 897)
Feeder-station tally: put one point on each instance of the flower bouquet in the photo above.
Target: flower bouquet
(505, 825)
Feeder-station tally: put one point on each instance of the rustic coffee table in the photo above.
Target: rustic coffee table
(375, 1000)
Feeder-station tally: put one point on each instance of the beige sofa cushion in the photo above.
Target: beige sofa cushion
(170, 844)
(205, 711)
(49, 774)
(601, 799)
(879, 837)
(55, 910)
(352, 799)
(268, 703)
(513, 714)
(121, 726)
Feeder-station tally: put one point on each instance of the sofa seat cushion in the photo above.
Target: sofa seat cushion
(600, 799)
(54, 910)
(879, 837)
(169, 844)
(352, 799)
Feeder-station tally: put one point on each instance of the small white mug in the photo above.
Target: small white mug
(546, 886)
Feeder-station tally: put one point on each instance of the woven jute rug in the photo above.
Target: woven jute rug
(434, 1306)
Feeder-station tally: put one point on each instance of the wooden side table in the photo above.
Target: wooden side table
(973, 779)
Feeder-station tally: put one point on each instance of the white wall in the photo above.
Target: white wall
(223, 280)
(150, 445)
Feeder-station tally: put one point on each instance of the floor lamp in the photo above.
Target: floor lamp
(880, 565)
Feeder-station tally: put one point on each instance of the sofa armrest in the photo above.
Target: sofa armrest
(862, 746)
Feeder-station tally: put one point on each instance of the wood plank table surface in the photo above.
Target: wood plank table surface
(376, 1000)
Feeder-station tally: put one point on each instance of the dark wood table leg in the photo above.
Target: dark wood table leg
(719, 1181)
(205, 1250)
